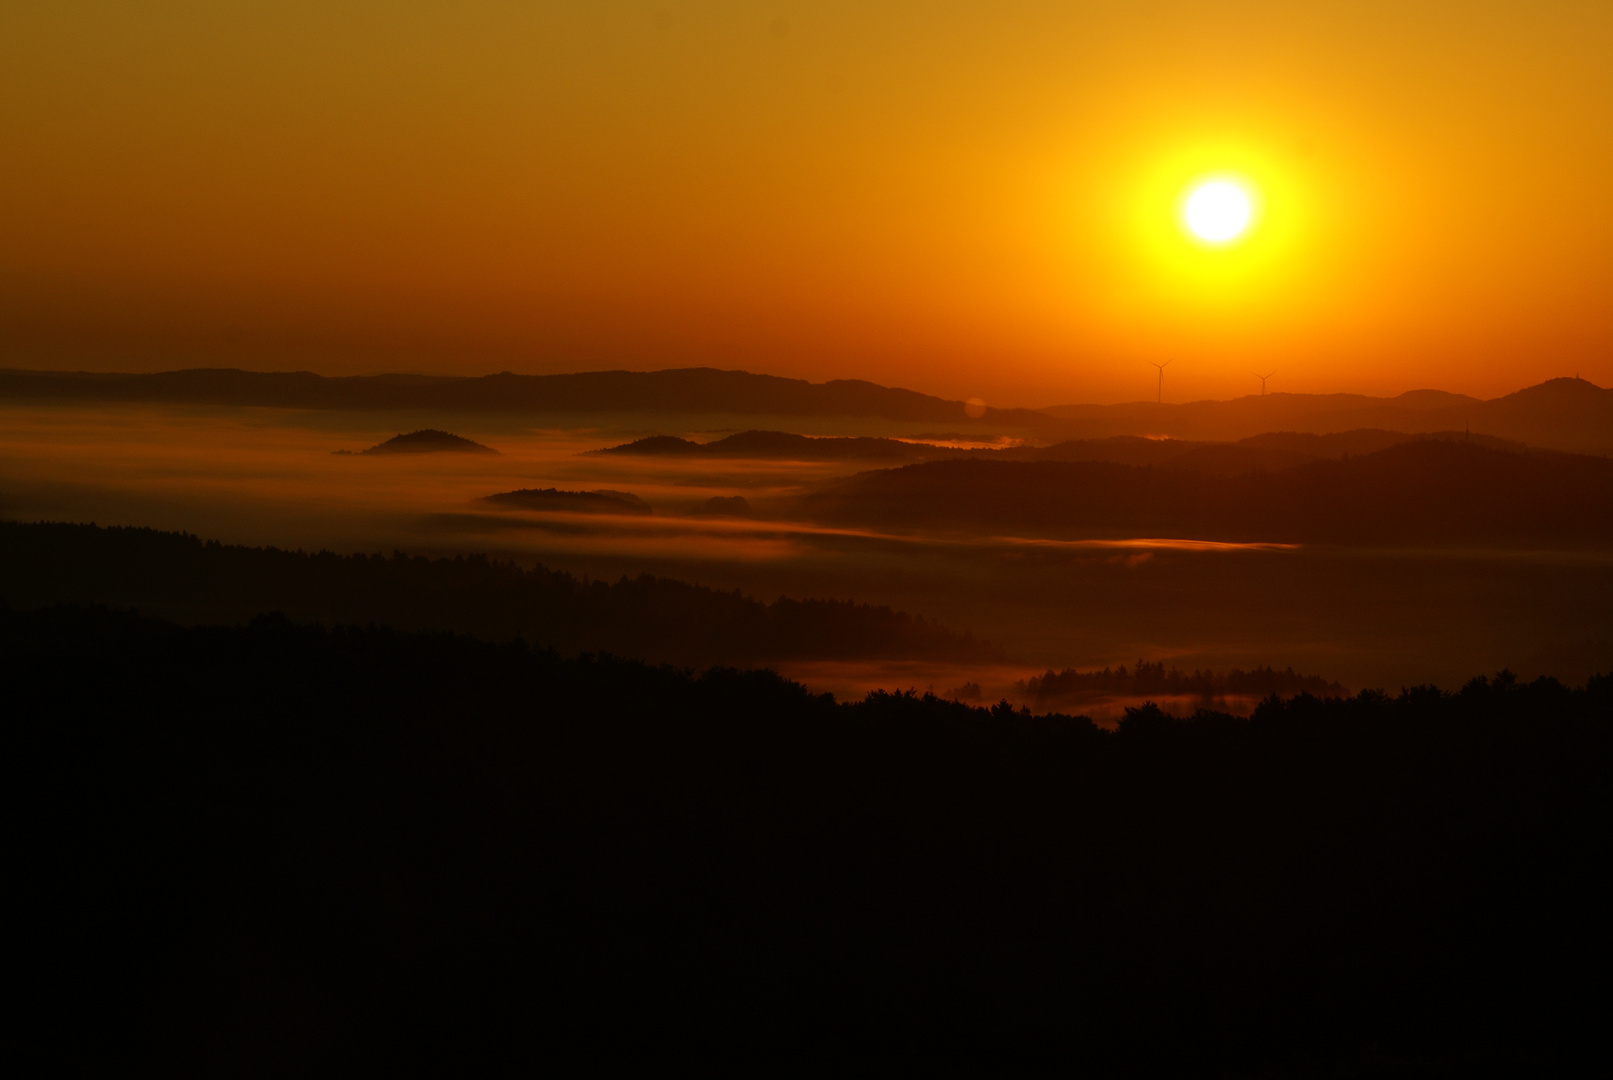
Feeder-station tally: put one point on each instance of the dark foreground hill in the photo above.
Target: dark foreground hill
(1420, 492)
(243, 850)
(179, 576)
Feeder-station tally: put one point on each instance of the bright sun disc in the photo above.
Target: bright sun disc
(1217, 211)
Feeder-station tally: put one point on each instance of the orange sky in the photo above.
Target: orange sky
(964, 198)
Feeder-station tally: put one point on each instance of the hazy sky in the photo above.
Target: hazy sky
(964, 198)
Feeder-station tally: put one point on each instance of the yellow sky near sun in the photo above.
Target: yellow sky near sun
(965, 198)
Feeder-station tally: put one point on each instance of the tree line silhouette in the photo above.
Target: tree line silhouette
(179, 576)
(260, 846)
(603, 501)
(780, 445)
(1071, 686)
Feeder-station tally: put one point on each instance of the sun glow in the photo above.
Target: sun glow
(1216, 233)
(1217, 211)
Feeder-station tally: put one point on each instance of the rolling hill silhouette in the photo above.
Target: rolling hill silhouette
(1566, 414)
(1424, 491)
(429, 441)
(1559, 414)
(1563, 414)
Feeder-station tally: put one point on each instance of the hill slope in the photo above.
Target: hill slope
(1420, 492)
(180, 577)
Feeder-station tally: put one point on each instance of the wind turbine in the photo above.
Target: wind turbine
(1160, 396)
(1263, 379)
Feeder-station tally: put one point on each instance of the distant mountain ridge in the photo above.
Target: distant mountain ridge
(1561, 414)
(673, 391)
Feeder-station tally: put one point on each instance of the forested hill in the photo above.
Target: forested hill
(178, 576)
(246, 849)
(1419, 492)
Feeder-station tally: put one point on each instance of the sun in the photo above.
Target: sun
(1218, 211)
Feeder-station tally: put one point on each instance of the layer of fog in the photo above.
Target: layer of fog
(1366, 618)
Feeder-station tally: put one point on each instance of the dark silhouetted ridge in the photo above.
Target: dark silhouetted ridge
(678, 391)
(656, 445)
(782, 445)
(1067, 688)
(1563, 414)
(1560, 414)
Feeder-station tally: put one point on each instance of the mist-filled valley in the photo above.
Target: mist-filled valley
(792, 729)
(1372, 558)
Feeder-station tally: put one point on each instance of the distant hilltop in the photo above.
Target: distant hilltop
(1560, 414)
(428, 441)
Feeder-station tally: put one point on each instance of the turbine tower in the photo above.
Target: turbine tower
(1159, 397)
(1263, 379)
